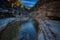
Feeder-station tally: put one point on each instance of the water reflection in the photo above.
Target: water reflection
(27, 32)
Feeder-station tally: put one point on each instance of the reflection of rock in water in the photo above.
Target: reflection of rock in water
(36, 24)
(27, 32)
(13, 31)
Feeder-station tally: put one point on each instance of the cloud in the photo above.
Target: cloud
(28, 2)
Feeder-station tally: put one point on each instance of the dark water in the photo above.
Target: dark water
(27, 32)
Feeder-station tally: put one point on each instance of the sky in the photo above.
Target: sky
(30, 3)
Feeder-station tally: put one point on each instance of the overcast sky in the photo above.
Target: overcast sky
(29, 2)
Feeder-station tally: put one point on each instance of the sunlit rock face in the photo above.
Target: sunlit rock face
(10, 3)
(15, 3)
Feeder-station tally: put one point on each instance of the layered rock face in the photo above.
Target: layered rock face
(50, 9)
(53, 9)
